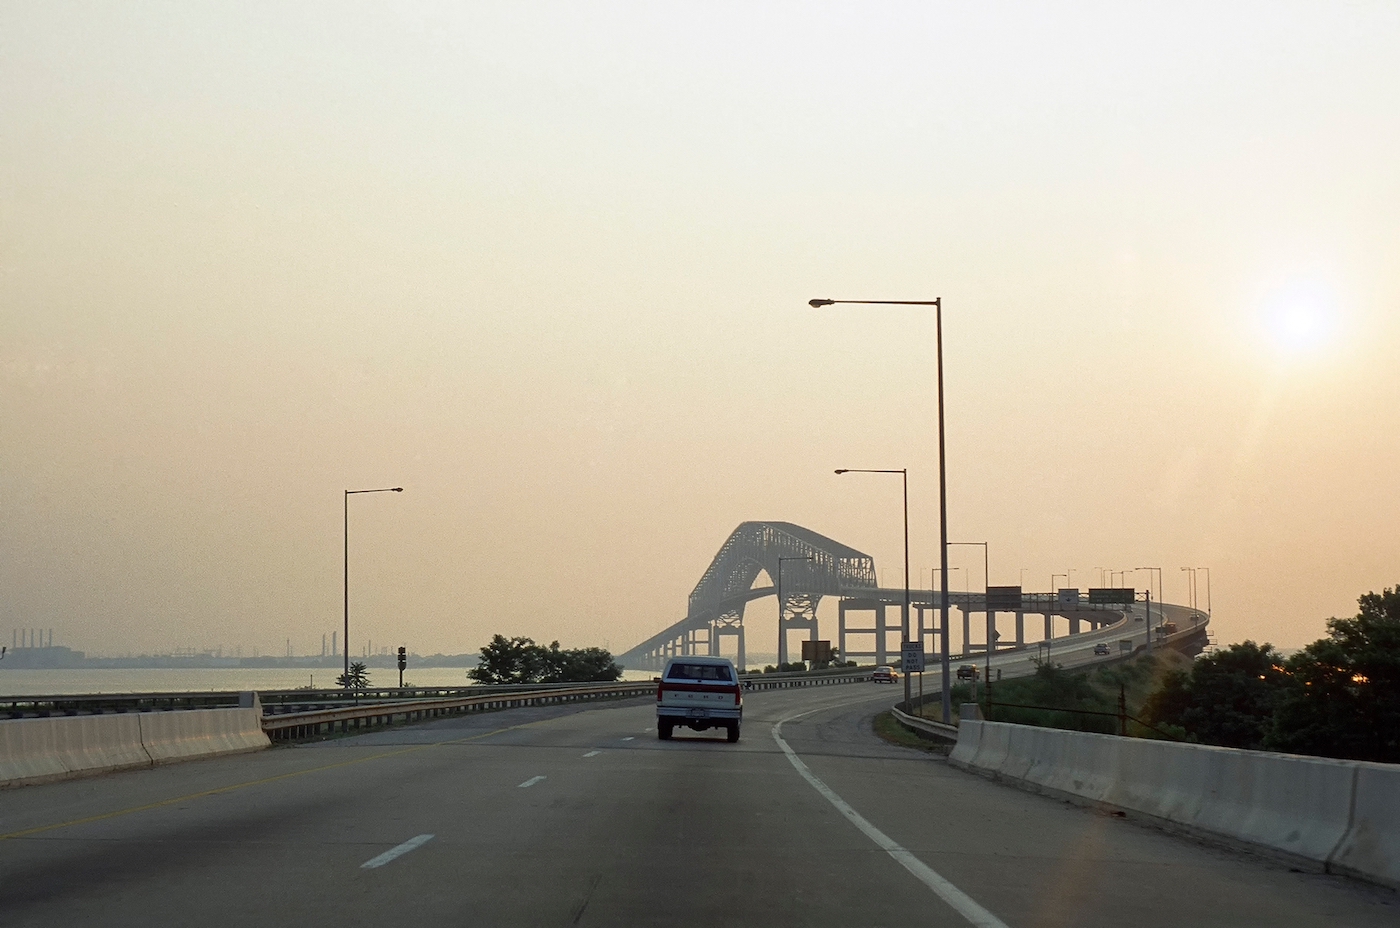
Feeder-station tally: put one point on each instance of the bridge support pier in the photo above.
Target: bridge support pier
(880, 630)
(1049, 625)
(880, 633)
(798, 611)
(1020, 629)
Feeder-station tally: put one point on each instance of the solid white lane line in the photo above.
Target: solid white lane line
(629, 738)
(530, 782)
(396, 852)
(592, 753)
(965, 905)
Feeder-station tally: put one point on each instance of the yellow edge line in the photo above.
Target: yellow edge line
(237, 786)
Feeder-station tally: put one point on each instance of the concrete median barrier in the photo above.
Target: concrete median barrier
(29, 752)
(171, 736)
(39, 750)
(1371, 848)
(99, 742)
(1340, 815)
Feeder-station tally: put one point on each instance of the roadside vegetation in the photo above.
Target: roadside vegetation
(888, 728)
(356, 679)
(1066, 699)
(1338, 697)
(520, 660)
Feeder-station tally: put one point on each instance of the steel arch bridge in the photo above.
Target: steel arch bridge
(717, 604)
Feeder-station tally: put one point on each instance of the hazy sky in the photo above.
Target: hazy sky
(547, 266)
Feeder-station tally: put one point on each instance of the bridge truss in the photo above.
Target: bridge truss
(717, 604)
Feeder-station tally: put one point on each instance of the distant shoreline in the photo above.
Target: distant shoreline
(61, 658)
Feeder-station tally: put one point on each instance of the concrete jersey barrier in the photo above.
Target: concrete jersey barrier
(171, 736)
(39, 750)
(1341, 815)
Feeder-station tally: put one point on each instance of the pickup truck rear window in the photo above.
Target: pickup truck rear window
(700, 672)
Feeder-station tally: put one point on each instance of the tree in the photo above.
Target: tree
(508, 660)
(520, 660)
(1228, 698)
(356, 679)
(582, 665)
(1345, 701)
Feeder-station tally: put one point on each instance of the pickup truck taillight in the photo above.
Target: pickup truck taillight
(659, 688)
(739, 695)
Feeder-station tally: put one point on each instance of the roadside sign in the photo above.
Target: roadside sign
(912, 657)
(1112, 596)
(1068, 596)
(1004, 598)
(816, 651)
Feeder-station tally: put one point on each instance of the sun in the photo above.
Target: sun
(1300, 320)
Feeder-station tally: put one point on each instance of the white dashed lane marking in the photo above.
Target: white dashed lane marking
(629, 738)
(592, 753)
(396, 852)
(530, 782)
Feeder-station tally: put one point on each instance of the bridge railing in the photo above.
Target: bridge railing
(791, 679)
(273, 701)
(304, 724)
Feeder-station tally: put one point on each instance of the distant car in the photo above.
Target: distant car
(884, 675)
(967, 672)
(1100, 649)
(699, 693)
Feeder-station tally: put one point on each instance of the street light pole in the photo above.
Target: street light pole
(937, 305)
(1207, 570)
(1149, 602)
(782, 635)
(991, 623)
(348, 494)
(904, 617)
(1191, 586)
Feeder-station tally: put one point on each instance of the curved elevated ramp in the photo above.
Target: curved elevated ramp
(815, 566)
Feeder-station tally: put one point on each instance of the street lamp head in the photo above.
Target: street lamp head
(818, 304)
(397, 489)
(842, 470)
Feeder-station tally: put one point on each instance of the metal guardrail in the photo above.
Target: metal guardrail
(276, 702)
(273, 701)
(292, 725)
(925, 726)
(781, 681)
(18, 707)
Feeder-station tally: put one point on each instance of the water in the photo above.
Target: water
(14, 682)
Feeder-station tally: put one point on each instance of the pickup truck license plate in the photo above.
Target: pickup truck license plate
(698, 713)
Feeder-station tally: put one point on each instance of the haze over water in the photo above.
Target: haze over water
(546, 266)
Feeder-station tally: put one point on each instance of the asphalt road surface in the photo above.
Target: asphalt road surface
(563, 816)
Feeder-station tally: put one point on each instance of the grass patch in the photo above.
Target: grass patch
(888, 728)
(1059, 690)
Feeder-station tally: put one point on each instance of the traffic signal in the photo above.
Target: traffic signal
(403, 658)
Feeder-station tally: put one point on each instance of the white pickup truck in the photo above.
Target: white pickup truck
(699, 693)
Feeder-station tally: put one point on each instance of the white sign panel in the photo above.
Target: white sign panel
(1069, 596)
(912, 657)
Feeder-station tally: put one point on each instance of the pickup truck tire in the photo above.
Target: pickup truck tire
(733, 732)
(663, 731)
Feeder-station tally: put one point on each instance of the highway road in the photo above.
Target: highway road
(567, 816)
